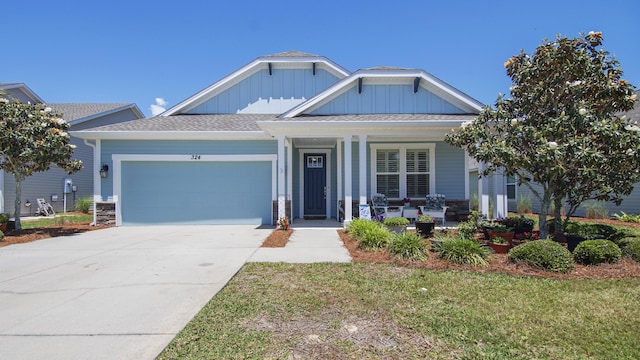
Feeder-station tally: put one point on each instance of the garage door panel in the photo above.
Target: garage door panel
(196, 193)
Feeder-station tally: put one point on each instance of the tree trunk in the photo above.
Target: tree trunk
(17, 203)
(542, 217)
(557, 215)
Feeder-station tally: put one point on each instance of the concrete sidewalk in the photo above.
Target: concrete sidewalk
(312, 241)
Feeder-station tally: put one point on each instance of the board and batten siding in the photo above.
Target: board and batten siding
(262, 93)
(176, 147)
(387, 99)
(450, 171)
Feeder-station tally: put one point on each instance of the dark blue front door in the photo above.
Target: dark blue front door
(315, 186)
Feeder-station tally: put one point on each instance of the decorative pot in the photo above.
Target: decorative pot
(573, 241)
(500, 248)
(507, 236)
(425, 229)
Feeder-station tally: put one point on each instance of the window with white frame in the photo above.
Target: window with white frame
(405, 170)
(511, 187)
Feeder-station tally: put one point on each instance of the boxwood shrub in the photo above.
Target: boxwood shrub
(592, 252)
(632, 249)
(408, 246)
(463, 251)
(546, 254)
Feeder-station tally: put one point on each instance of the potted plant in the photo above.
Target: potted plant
(4, 219)
(425, 225)
(519, 224)
(502, 232)
(396, 224)
(499, 244)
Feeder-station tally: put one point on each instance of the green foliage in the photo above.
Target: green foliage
(632, 249)
(595, 210)
(627, 217)
(84, 204)
(561, 128)
(524, 204)
(371, 234)
(546, 254)
(395, 221)
(474, 202)
(467, 230)
(32, 138)
(517, 222)
(408, 246)
(593, 252)
(1, 235)
(463, 251)
(425, 219)
(4, 218)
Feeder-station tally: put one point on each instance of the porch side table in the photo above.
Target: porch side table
(411, 214)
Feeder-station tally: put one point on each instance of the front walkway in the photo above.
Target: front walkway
(312, 241)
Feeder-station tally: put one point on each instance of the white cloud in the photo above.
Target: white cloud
(158, 107)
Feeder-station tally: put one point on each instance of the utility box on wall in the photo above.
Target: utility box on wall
(68, 186)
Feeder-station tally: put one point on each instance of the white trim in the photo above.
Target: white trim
(348, 180)
(172, 135)
(403, 165)
(282, 166)
(95, 173)
(248, 70)
(339, 154)
(327, 153)
(362, 168)
(289, 150)
(119, 158)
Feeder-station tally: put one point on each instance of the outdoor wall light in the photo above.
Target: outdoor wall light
(104, 171)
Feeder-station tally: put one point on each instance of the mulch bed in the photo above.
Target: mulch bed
(498, 263)
(277, 238)
(28, 235)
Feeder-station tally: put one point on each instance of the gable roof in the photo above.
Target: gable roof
(24, 89)
(78, 113)
(290, 57)
(428, 81)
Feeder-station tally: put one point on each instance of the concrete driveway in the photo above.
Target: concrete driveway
(118, 293)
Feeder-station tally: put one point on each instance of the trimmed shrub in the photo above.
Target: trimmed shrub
(463, 251)
(593, 252)
(377, 237)
(467, 230)
(408, 246)
(632, 249)
(396, 221)
(546, 254)
(1, 235)
(358, 226)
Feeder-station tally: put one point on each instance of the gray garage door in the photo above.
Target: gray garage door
(196, 193)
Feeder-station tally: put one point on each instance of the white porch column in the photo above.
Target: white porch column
(339, 175)
(363, 168)
(483, 188)
(466, 175)
(289, 175)
(1, 191)
(500, 194)
(281, 177)
(348, 172)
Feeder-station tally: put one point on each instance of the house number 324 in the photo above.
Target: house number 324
(195, 157)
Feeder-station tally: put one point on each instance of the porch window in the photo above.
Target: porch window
(403, 171)
(511, 187)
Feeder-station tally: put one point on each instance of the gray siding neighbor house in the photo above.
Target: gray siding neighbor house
(49, 184)
(630, 205)
(290, 134)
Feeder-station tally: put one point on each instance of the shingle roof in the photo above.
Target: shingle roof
(292, 53)
(176, 123)
(248, 122)
(71, 112)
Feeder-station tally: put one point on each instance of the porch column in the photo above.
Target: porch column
(466, 175)
(339, 175)
(1, 191)
(281, 177)
(483, 188)
(500, 194)
(290, 175)
(348, 172)
(363, 168)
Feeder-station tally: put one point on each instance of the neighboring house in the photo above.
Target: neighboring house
(50, 184)
(289, 133)
(630, 204)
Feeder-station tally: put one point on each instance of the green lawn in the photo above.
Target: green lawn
(377, 311)
(58, 220)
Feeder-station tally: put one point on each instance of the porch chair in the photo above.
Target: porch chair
(44, 208)
(435, 207)
(381, 207)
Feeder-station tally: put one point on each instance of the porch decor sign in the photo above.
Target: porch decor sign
(365, 211)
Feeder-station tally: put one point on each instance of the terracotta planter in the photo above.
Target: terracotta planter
(3, 227)
(506, 236)
(425, 229)
(500, 248)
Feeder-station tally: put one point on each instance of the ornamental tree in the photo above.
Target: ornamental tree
(560, 133)
(32, 138)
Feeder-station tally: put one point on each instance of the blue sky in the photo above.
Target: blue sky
(133, 51)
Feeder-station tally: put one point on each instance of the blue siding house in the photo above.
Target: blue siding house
(289, 134)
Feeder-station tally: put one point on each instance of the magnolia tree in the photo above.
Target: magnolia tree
(561, 133)
(32, 138)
